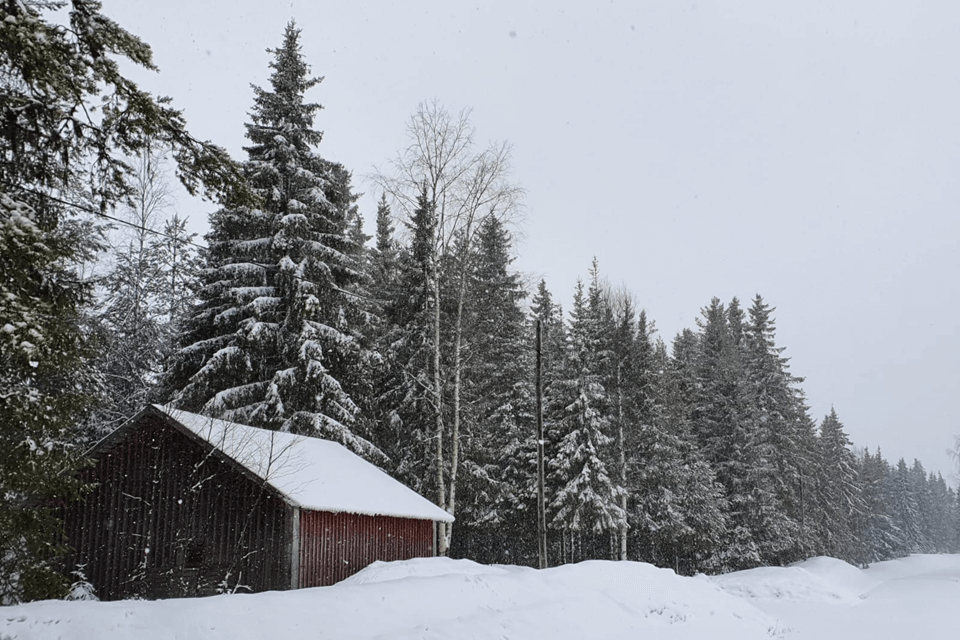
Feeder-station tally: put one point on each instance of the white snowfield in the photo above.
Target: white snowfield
(821, 598)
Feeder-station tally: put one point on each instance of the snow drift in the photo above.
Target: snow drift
(443, 598)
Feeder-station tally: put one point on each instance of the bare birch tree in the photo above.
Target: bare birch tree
(463, 186)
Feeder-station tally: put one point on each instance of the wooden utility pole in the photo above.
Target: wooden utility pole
(541, 500)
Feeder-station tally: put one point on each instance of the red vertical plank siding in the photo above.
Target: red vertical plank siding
(148, 496)
(334, 546)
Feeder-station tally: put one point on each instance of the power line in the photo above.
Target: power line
(145, 229)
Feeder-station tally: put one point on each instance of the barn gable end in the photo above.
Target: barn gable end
(170, 518)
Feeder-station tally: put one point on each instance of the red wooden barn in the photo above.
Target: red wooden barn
(188, 505)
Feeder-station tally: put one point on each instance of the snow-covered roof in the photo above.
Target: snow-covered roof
(314, 474)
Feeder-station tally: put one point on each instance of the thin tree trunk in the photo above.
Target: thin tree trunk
(442, 535)
(623, 463)
(455, 442)
(541, 494)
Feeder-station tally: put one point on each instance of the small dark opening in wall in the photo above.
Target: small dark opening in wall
(193, 557)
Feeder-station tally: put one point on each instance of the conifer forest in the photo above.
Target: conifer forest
(410, 340)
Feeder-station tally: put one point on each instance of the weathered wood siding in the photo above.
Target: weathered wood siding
(336, 545)
(169, 518)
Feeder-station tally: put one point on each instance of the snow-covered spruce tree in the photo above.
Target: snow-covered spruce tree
(718, 405)
(275, 341)
(677, 508)
(880, 536)
(384, 272)
(131, 333)
(778, 413)
(906, 511)
(806, 508)
(586, 507)
(498, 487)
(956, 523)
(383, 258)
(553, 332)
(407, 403)
(941, 518)
(840, 493)
(180, 265)
(69, 120)
(681, 384)
(921, 491)
(43, 390)
(736, 446)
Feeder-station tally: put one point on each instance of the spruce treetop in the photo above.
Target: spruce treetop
(283, 110)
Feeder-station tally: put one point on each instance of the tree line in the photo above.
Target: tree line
(413, 347)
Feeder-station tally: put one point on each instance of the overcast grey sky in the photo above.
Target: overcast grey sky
(807, 151)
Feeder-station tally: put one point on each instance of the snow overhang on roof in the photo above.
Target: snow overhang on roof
(314, 474)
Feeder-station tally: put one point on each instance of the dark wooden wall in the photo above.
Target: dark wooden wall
(169, 519)
(336, 545)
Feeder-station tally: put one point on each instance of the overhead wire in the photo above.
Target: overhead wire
(149, 230)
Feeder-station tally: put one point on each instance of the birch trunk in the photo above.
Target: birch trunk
(443, 528)
(457, 376)
(623, 463)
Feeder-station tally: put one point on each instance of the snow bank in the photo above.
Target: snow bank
(381, 571)
(439, 598)
(821, 598)
(424, 598)
(916, 567)
(814, 580)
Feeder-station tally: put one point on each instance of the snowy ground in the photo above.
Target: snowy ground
(822, 598)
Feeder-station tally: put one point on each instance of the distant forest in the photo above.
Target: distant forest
(414, 348)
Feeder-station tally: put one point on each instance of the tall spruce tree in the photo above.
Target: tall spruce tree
(920, 488)
(906, 510)
(840, 493)
(587, 506)
(407, 400)
(717, 417)
(677, 508)
(553, 332)
(275, 341)
(880, 535)
(383, 258)
(180, 266)
(737, 447)
(498, 487)
(941, 514)
(778, 416)
(132, 333)
(956, 522)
